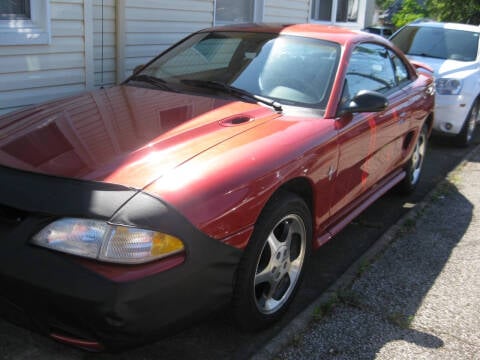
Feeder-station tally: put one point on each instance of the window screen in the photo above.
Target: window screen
(234, 11)
(14, 9)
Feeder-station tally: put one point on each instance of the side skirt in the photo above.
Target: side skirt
(363, 202)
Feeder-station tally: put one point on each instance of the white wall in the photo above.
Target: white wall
(286, 11)
(33, 73)
(92, 48)
(153, 25)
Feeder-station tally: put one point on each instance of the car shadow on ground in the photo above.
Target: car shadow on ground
(385, 304)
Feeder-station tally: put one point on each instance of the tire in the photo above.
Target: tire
(415, 163)
(272, 266)
(465, 137)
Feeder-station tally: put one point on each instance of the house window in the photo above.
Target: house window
(24, 22)
(322, 10)
(335, 10)
(14, 10)
(234, 11)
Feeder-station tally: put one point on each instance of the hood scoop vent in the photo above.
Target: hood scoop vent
(236, 120)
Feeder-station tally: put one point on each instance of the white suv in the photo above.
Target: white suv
(452, 50)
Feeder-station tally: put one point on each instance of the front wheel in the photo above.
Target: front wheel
(415, 163)
(465, 137)
(272, 266)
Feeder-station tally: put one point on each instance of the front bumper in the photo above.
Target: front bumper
(450, 113)
(54, 293)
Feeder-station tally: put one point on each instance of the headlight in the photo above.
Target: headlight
(99, 240)
(446, 86)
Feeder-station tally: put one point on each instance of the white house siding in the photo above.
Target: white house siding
(298, 11)
(286, 11)
(153, 25)
(33, 73)
(99, 42)
(104, 39)
(369, 18)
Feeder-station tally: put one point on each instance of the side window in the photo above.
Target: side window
(370, 68)
(401, 71)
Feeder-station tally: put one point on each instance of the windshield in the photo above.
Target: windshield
(291, 70)
(438, 42)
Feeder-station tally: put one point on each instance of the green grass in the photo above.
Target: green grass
(365, 264)
(401, 320)
(324, 309)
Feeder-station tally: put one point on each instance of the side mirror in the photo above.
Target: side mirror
(365, 101)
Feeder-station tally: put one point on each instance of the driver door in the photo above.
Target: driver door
(370, 143)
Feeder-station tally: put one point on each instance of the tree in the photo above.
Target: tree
(384, 4)
(411, 10)
(462, 11)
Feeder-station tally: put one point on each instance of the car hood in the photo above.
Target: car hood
(447, 67)
(123, 135)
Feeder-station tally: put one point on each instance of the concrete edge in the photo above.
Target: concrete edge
(301, 322)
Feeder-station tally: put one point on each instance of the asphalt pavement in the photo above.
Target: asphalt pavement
(414, 295)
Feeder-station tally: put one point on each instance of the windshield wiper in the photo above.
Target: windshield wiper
(232, 90)
(157, 82)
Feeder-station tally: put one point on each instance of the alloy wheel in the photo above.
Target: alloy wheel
(417, 157)
(279, 264)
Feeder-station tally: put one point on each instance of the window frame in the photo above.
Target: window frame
(33, 31)
(257, 13)
(333, 14)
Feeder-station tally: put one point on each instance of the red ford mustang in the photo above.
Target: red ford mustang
(204, 179)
